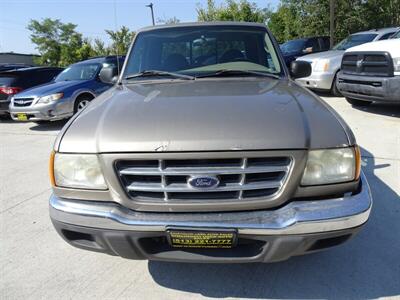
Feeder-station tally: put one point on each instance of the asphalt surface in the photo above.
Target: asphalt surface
(36, 263)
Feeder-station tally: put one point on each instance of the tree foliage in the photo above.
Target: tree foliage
(121, 40)
(242, 10)
(59, 44)
(301, 18)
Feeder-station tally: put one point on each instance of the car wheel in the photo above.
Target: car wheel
(81, 103)
(358, 102)
(334, 90)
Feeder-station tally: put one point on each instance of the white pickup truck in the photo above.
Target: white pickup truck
(371, 72)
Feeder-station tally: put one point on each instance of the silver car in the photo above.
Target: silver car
(326, 65)
(206, 150)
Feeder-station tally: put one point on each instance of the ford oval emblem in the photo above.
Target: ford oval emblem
(203, 182)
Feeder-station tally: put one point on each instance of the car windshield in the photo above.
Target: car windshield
(202, 50)
(293, 46)
(396, 35)
(78, 72)
(355, 40)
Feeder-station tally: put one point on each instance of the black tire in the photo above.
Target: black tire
(334, 90)
(81, 103)
(43, 122)
(356, 102)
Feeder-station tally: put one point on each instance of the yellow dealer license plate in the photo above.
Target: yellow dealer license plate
(22, 117)
(213, 239)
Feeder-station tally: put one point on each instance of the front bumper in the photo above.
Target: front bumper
(268, 235)
(58, 110)
(318, 80)
(381, 89)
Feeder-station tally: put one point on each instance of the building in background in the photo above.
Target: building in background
(17, 58)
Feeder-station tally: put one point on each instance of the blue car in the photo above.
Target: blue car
(71, 91)
(299, 47)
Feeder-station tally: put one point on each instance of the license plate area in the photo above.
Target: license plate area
(22, 117)
(202, 238)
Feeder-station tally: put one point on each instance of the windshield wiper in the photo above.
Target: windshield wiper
(225, 72)
(156, 73)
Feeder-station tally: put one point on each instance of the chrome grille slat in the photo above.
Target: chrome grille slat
(176, 188)
(202, 171)
(240, 179)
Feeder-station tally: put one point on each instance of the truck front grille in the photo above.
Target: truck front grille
(239, 178)
(22, 102)
(377, 64)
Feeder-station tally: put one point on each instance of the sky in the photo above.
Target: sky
(91, 16)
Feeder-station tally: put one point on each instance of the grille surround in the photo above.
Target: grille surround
(23, 102)
(371, 63)
(166, 181)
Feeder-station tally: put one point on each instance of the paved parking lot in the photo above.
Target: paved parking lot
(36, 263)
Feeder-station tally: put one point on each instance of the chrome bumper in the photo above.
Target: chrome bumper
(44, 112)
(318, 81)
(297, 217)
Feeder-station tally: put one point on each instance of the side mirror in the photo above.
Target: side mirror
(108, 75)
(300, 69)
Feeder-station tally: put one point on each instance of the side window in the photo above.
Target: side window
(386, 36)
(324, 43)
(312, 43)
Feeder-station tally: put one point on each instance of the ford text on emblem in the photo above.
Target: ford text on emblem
(203, 182)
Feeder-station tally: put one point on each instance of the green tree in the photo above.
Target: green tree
(99, 48)
(173, 20)
(301, 18)
(120, 40)
(57, 42)
(242, 10)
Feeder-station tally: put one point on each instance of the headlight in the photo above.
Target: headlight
(321, 65)
(332, 166)
(396, 64)
(80, 171)
(50, 98)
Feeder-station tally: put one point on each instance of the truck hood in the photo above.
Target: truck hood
(49, 88)
(391, 46)
(204, 115)
(331, 54)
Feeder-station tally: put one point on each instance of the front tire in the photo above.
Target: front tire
(81, 103)
(355, 102)
(334, 90)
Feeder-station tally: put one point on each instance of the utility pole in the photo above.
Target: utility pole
(152, 12)
(332, 22)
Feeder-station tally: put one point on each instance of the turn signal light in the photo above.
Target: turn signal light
(51, 168)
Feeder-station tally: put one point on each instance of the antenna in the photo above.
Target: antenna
(116, 29)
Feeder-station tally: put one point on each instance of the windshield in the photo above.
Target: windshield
(396, 35)
(293, 46)
(197, 51)
(355, 40)
(78, 72)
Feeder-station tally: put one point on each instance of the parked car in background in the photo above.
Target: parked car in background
(207, 154)
(371, 72)
(9, 67)
(13, 82)
(69, 93)
(396, 35)
(299, 47)
(326, 65)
